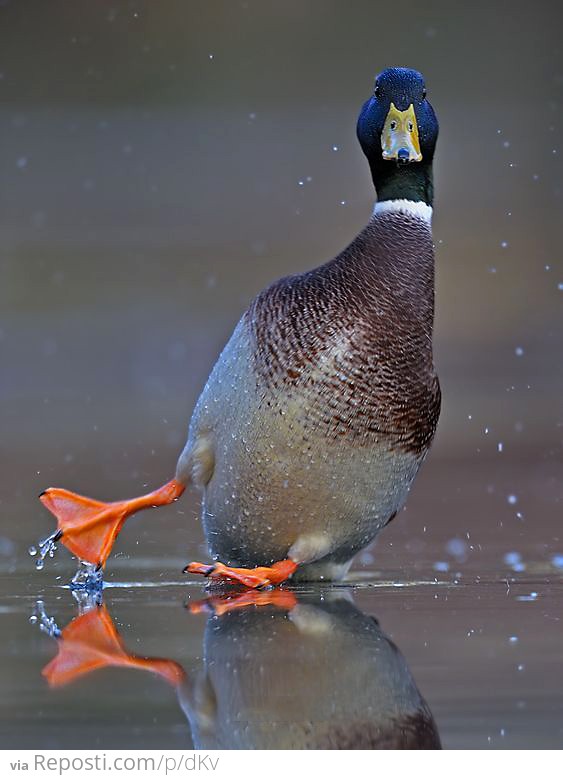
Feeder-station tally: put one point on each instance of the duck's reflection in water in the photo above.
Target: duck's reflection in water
(281, 671)
(90, 642)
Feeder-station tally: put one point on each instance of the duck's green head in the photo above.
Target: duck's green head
(398, 129)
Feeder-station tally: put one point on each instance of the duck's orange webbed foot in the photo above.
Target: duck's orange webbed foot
(88, 528)
(90, 642)
(261, 576)
(221, 604)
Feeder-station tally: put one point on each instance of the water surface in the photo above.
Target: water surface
(477, 659)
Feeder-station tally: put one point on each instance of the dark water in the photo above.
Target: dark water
(159, 167)
(473, 660)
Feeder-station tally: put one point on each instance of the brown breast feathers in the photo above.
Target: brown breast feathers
(352, 339)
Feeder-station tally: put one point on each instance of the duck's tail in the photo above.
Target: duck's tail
(88, 528)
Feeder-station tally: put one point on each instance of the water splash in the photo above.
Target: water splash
(89, 577)
(87, 599)
(45, 547)
(46, 624)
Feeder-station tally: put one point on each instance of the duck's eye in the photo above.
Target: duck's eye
(393, 125)
(377, 91)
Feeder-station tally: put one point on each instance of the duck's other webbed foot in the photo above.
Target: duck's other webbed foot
(261, 576)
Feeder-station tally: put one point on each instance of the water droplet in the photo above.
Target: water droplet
(456, 547)
(512, 557)
(45, 547)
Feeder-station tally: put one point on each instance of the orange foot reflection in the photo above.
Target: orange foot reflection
(225, 602)
(90, 642)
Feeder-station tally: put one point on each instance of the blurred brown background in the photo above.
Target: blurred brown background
(162, 162)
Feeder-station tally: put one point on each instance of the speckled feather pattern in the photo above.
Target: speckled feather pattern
(355, 338)
(322, 406)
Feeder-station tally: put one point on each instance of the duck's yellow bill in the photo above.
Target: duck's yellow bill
(399, 139)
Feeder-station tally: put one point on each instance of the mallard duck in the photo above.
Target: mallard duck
(321, 408)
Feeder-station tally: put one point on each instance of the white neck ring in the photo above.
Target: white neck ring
(404, 206)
